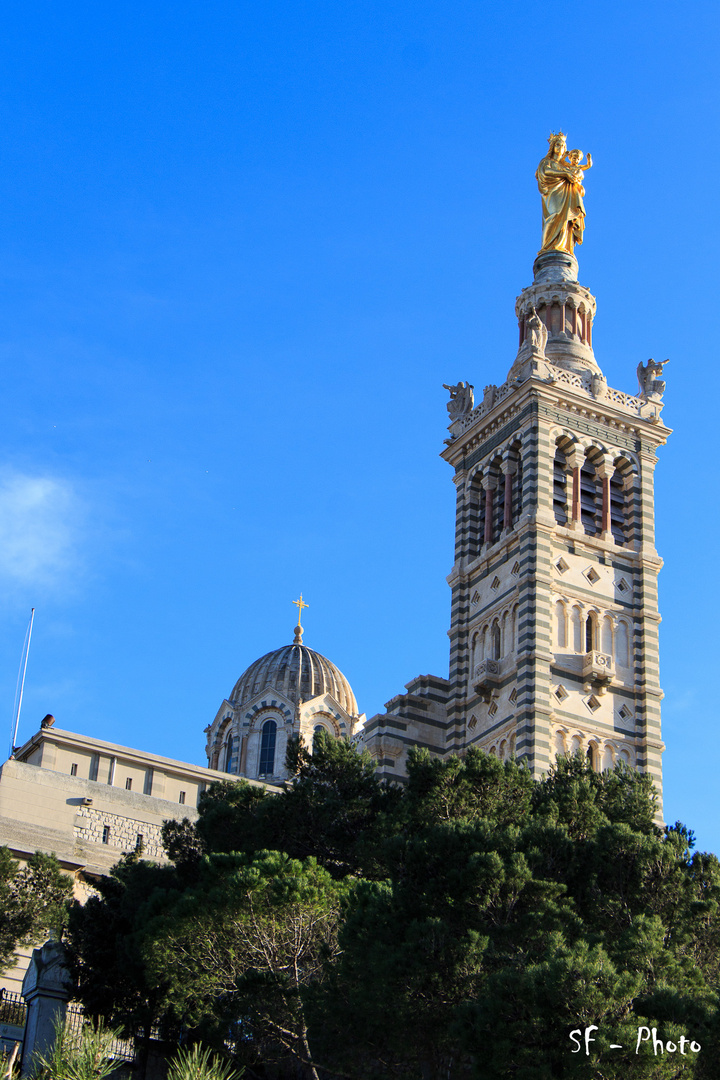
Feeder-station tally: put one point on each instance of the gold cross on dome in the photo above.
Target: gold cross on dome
(300, 605)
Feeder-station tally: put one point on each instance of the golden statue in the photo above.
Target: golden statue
(559, 176)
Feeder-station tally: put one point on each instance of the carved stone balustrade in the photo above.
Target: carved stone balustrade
(598, 668)
(486, 678)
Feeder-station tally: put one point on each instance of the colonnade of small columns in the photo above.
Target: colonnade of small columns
(607, 469)
(601, 753)
(504, 472)
(561, 316)
(582, 629)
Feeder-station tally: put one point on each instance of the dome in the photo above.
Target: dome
(297, 672)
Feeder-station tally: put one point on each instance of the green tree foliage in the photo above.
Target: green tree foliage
(460, 926)
(33, 902)
(239, 949)
(335, 809)
(106, 938)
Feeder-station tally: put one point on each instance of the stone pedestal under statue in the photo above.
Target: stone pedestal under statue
(46, 989)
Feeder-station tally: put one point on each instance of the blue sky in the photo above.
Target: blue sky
(242, 245)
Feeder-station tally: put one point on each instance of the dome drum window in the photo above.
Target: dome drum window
(268, 740)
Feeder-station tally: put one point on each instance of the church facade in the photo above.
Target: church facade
(554, 624)
(554, 616)
(554, 613)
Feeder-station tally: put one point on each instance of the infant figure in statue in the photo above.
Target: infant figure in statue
(573, 159)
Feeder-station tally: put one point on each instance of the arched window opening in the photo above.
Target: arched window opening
(607, 759)
(317, 731)
(607, 635)
(590, 499)
(561, 625)
(577, 630)
(590, 633)
(622, 644)
(592, 756)
(515, 643)
(501, 751)
(496, 642)
(511, 746)
(560, 488)
(474, 652)
(619, 509)
(476, 521)
(229, 747)
(517, 485)
(267, 748)
(576, 745)
(559, 744)
(498, 500)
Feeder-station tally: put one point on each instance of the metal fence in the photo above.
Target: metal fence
(13, 1009)
(120, 1049)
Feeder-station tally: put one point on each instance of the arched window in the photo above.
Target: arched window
(590, 635)
(229, 746)
(607, 635)
(515, 644)
(592, 756)
(560, 488)
(476, 520)
(474, 652)
(559, 744)
(495, 639)
(267, 748)
(590, 498)
(607, 759)
(498, 500)
(577, 630)
(622, 643)
(517, 485)
(317, 730)
(561, 625)
(619, 517)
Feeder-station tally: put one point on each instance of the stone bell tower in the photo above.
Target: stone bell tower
(554, 625)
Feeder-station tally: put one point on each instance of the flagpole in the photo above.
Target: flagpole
(21, 681)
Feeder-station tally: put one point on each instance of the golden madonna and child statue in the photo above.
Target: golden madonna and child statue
(560, 176)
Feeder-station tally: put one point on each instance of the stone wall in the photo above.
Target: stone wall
(123, 832)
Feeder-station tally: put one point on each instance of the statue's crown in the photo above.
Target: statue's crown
(556, 135)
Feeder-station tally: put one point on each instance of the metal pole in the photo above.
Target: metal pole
(23, 667)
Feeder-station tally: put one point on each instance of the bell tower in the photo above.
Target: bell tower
(554, 624)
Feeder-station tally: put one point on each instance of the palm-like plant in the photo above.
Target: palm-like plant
(83, 1055)
(199, 1064)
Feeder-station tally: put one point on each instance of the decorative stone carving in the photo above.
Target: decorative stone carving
(598, 386)
(462, 399)
(537, 333)
(652, 387)
(489, 394)
(598, 669)
(486, 678)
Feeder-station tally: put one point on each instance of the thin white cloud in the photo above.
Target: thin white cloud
(39, 530)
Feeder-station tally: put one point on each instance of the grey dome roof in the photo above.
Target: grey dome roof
(297, 672)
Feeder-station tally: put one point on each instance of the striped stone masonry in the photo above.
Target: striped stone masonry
(554, 611)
